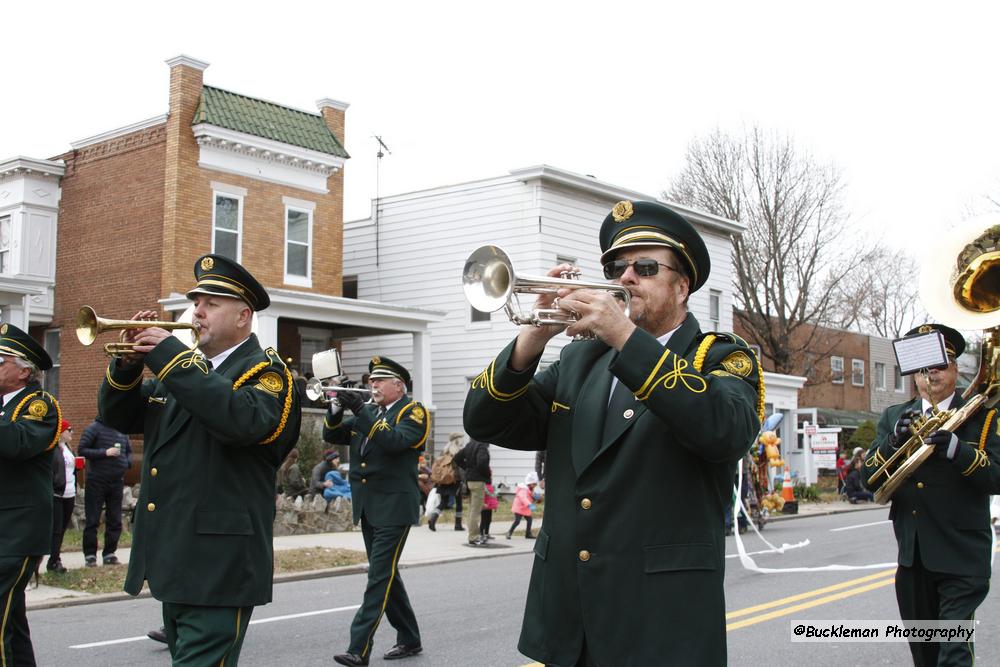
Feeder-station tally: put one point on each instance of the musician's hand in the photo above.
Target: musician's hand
(598, 312)
(149, 338)
(901, 432)
(351, 400)
(531, 340)
(945, 444)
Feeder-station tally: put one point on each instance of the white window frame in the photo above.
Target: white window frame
(230, 192)
(855, 365)
(834, 370)
(309, 208)
(898, 381)
(56, 356)
(879, 372)
(715, 302)
(10, 248)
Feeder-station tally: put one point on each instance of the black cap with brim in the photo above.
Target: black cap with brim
(954, 342)
(384, 367)
(645, 223)
(17, 343)
(222, 276)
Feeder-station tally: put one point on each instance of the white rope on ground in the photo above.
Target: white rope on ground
(751, 565)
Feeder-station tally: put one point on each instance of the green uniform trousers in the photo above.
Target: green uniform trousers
(385, 593)
(15, 639)
(205, 635)
(926, 596)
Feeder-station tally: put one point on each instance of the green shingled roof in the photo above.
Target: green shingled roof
(267, 120)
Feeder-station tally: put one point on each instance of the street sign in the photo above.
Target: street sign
(810, 429)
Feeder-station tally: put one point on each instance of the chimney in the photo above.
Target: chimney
(333, 116)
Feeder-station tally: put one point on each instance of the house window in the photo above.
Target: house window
(5, 244)
(349, 289)
(880, 376)
(897, 379)
(227, 222)
(714, 301)
(298, 241)
(858, 372)
(756, 350)
(478, 315)
(565, 259)
(837, 370)
(50, 381)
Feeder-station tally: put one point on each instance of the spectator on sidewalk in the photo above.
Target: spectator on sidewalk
(318, 482)
(338, 486)
(424, 479)
(474, 459)
(290, 481)
(853, 487)
(490, 503)
(447, 478)
(109, 455)
(524, 504)
(64, 491)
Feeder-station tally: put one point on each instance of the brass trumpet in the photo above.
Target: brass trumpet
(89, 325)
(490, 284)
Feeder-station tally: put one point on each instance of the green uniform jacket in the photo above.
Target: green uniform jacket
(632, 550)
(29, 430)
(944, 505)
(213, 441)
(384, 478)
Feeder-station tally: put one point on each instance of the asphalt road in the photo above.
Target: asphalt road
(470, 611)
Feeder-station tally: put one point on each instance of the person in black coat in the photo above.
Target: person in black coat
(474, 459)
(109, 456)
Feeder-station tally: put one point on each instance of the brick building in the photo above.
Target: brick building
(220, 172)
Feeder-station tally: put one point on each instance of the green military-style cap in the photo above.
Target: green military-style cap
(646, 223)
(222, 276)
(954, 342)
(384, 367)
(17, 343)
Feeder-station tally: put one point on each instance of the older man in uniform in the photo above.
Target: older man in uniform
(643, 427)
(386, 438)
(217, 422)
(940, 514)
(29, 430)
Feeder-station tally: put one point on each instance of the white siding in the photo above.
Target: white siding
(424, 239)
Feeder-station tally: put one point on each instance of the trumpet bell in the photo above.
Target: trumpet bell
(314, 389)
(87, 325)
(488, 279)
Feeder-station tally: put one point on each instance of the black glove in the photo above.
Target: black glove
(901, 432)
(351, 400)
(945, 444)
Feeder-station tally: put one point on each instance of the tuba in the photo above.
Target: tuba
(964, 294)
(490, 284)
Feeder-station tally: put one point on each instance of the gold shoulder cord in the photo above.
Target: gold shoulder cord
(427, 427)
(17, 411)
(699, 361)
(288, 397)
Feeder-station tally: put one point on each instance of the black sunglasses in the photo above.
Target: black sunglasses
(643, 267)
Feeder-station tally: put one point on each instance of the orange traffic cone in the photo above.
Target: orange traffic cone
(786, 487)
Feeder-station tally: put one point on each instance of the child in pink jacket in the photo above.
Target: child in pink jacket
(524, 503)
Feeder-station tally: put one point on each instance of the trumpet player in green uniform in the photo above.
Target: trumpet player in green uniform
(217, 422)
(940, 514)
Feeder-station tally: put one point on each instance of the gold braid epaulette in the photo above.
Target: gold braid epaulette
(288, 397)
(17, 411)
(699, 361)
(986, 428)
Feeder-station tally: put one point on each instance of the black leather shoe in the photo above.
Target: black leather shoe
(55, 566)
(158, 635)
(402, 651)
(112, 560)
(350, 659)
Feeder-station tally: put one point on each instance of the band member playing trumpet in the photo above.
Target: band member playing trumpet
(217, 422)
(386, 438)
(652, 407)
(940, 514)
(29, 431)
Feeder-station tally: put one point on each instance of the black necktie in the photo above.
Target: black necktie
(621, 399)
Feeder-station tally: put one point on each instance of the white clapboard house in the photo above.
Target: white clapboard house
(413, 251)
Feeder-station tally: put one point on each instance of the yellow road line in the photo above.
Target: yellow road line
(809, 594)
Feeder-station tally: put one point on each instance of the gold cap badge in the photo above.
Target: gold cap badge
(207, 263)
(376, 361)
(3, 330)
(622, 211)
(925, 329)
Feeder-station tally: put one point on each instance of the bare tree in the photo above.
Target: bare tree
(793, 260)
(883, 294)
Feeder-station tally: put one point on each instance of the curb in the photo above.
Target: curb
(305, 575)
(787, 517)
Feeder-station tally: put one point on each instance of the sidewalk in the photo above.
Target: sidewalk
(423, 547)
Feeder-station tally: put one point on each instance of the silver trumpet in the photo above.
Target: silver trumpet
(326, 365)
(490, 283)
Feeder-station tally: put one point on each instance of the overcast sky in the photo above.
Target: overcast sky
(902, 96)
